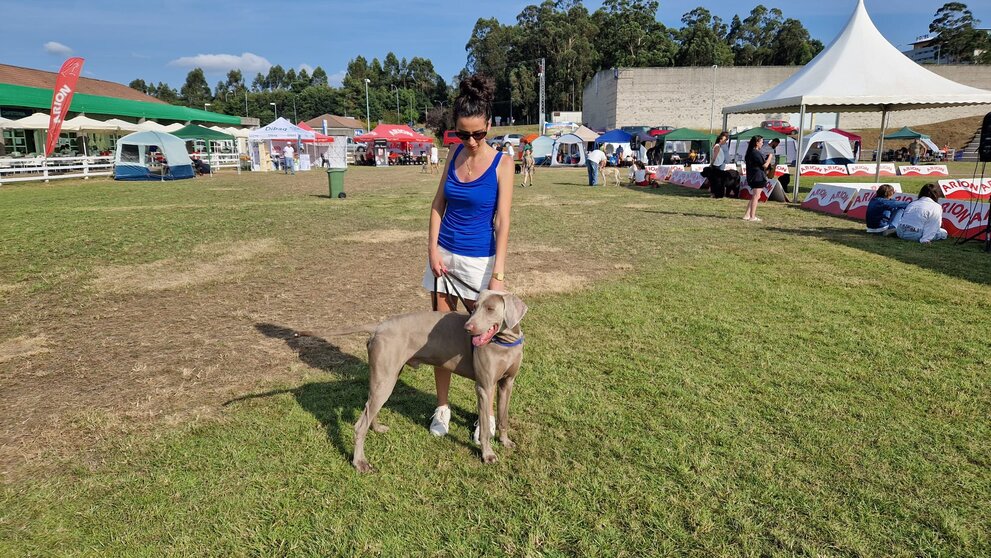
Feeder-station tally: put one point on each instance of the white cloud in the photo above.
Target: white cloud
(51, 47)
(337, 78)
(247, 62)
(307, 67)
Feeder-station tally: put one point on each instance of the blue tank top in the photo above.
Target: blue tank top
(468, 227)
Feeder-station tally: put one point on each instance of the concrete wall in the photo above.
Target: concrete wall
(683, 97)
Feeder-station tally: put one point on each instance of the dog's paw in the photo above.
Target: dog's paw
(490, 459)
(507, 443)
(363, 466)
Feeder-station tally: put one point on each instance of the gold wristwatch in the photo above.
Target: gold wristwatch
(500, 276)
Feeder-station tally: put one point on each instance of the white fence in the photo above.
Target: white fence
(39, 168)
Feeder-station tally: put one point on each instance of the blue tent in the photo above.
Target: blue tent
(152, 156)
(614, 136)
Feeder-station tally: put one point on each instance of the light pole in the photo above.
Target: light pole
(712, 107)
(368, 114)
(207, 105)
(397, 104)
(294, 118)
(276, 110)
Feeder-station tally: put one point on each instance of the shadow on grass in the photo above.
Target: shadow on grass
(967, 262)
(337, 404)
(668, 190)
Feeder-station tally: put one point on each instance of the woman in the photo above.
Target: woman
(717, 174)
(756, 179)
(921, 221)
(527, 165)
(469, 222)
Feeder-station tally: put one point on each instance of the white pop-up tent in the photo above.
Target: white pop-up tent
(264, 142)
(151, 156)
(543, 146)
(860, 71)
(827, 148)
(568, 151)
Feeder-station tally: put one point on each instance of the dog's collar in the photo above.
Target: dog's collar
(519, 341)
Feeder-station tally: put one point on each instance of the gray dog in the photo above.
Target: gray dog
(486, 347)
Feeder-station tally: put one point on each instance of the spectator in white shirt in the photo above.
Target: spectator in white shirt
(922, 218)
(594, 162)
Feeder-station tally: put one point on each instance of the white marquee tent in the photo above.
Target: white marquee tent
(860, 71)
(37, 121)
(827, 148)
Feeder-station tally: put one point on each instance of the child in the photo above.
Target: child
(884, 213)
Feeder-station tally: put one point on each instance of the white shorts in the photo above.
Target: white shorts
(475, 271)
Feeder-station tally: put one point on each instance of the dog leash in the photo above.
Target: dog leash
(449, 287)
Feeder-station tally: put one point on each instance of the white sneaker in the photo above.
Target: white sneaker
(441, 422)
(474, 435)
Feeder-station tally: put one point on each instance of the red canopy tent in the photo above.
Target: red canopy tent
(850, 135)
(318, 137)
(394, 133)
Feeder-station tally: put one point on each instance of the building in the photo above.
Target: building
(337, 125)
(26, 91)
(693, 97)
(926, 50)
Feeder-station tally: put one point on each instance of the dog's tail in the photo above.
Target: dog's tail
(364, 328)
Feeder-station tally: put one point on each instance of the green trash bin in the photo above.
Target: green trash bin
(336, 179)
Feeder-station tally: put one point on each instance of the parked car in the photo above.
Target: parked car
(511, 138)
(635, 129)
(450, 138)
(660, 130)
(780, 126)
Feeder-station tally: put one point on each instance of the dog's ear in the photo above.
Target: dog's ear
(515, 309)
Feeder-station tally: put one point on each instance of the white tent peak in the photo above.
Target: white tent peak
(861, 71)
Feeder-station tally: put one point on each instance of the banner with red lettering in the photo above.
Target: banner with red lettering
(688, 179)
(828, 198)
(923, 170)
(869, 169)
(746, 192)
(696, 167)
(824, 170)
(957, 189)
(901, 196)
(662, 172)
(65, 86)
(964, 219)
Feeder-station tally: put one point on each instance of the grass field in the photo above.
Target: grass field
(693, 384)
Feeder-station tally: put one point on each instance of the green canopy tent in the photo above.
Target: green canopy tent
(676, 141)
(194, 132)
(905, 133)
(738, 144)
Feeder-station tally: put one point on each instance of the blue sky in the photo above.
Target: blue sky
(162, 41)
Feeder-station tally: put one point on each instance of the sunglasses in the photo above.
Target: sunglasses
(479, 135)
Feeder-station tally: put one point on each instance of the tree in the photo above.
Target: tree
(167, 94)
(635, 36)
(439, 119)
(793, 46)
(196, 91)
(139, 85)
(260, 83)
(703, 40)
(319, 77)
(276, 78)
(751, 38)
(959, 40)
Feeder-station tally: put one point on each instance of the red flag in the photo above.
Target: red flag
(65, 86)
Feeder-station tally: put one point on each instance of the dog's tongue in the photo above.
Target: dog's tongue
(479, 340)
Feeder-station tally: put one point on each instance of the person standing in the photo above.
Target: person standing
(756, 178)
(434, 158)
(914, 150)
(717, 168)
(528, 165)
(289, 162)
(595, 160)
(468, 233)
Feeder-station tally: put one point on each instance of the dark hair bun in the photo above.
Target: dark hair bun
(478, 87)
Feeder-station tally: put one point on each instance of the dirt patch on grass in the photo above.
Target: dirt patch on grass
(380, 236)
(212, 262)
(23, 346)
(547, 282)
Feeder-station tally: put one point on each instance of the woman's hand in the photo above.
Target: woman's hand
(437, 262)
(496, 285)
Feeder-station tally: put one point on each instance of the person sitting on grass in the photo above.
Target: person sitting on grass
(922, 218)
(200, 166)
(641, 177)
(884, 213)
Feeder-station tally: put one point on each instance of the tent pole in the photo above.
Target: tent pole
(880, 143)
(798, 159)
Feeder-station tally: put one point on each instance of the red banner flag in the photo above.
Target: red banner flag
(65, 86)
